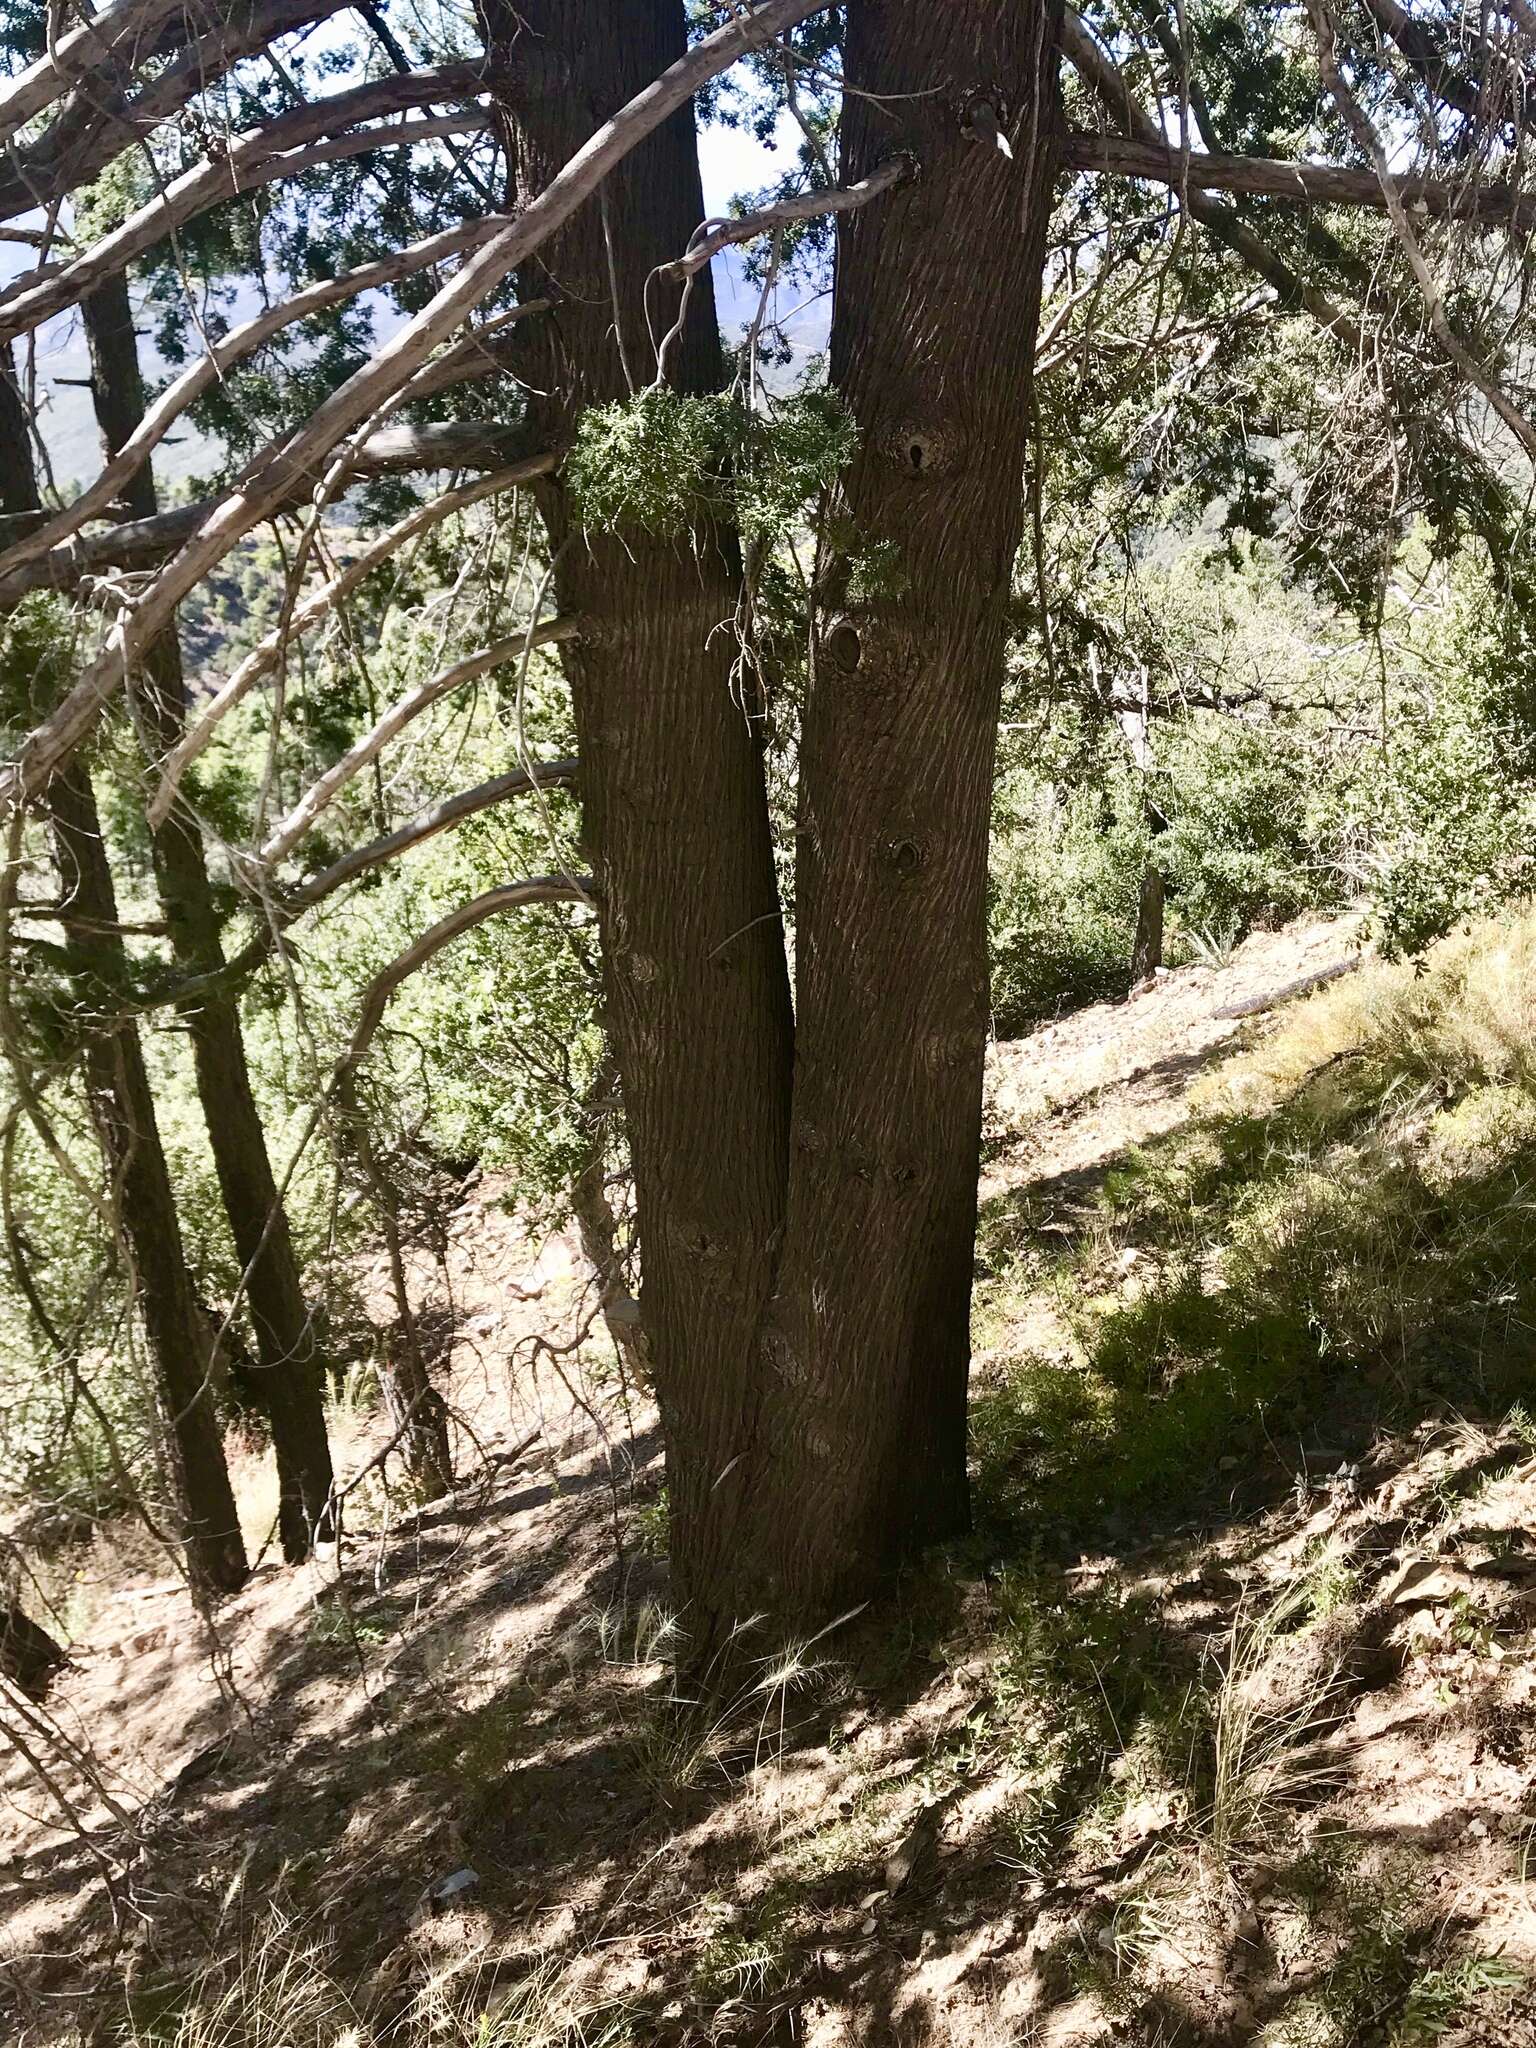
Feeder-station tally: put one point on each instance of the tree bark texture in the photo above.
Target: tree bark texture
(933, 335)
(290, 1368)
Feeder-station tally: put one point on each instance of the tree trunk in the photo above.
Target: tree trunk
(290, 1368)
(1147, 952)
(810, 1338)
(675, 815)
(937, 302)
(124, 1113)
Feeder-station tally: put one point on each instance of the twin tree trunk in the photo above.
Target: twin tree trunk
(123, 1111)
(806, 1190)
(287, 1356)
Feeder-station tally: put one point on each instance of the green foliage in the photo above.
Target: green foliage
(662, 462)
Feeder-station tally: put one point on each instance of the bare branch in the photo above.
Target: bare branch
(1310, 183)
(295, 463)
(451, 811)
(233, 348)
(323, 792)
(74, 54)
(99, 123)
(510, 896)
(716, 235)
(321, 605)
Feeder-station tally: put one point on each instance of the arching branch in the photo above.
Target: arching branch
(99, 123)
(510, 896)
(716, 235)
(441, 817)
(323, 792)
(293, 142)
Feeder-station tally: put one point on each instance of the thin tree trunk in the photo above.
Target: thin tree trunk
(1147, 952)
(937, 302)
(417, 1411)
(675, 815)
(124, 1113)
(290, 1368)
(123, 1110)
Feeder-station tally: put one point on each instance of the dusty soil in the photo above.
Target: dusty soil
(839, 1859)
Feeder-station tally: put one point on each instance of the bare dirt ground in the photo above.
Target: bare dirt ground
(850, 1855)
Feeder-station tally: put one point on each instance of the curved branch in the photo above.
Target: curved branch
(716, 235)
(293, 463)
(321, 605)
(75, 54)
(324, 791)
(510, 896)
(451, 811)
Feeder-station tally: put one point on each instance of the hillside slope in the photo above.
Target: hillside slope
(1221, 1731)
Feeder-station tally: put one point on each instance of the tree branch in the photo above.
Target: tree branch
(323, 792)
(451, 811)
(99, 124)
(395, 451)
(1311, 184)
(281, 148)
(321, 605)
(715, 235)
(1363, 130)
(510, 896)
(233, 348)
